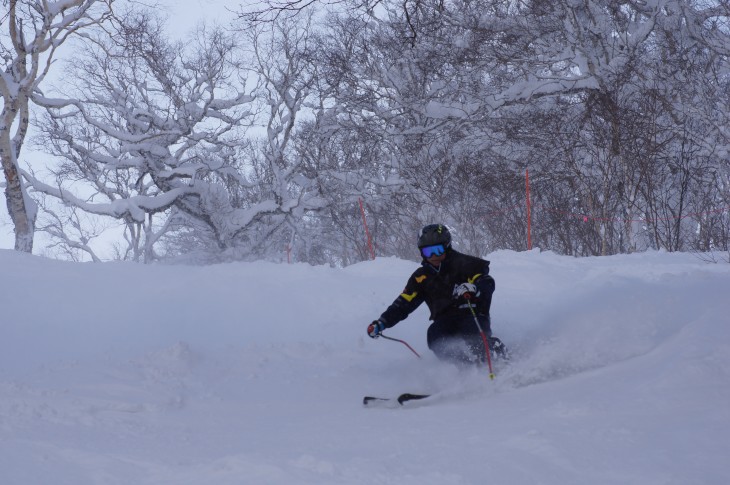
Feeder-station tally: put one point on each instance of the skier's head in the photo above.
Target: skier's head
(434, 241)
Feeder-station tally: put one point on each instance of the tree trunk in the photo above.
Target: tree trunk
(18, 206)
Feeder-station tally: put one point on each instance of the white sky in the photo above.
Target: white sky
(185, 14)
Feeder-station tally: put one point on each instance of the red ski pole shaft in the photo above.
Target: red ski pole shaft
(401, 341)
(484, 339)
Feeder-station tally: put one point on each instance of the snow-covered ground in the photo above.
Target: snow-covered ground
(254, 373)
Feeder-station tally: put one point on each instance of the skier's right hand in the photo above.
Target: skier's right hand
(376, 328)
(467, 291)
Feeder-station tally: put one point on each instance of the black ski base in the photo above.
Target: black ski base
(403, 398)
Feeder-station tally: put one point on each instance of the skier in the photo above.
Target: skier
(449, 282)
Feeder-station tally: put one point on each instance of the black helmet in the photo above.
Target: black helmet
(434, 234)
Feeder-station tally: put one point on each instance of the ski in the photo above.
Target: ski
(371, 401)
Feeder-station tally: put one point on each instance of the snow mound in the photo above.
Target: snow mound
(254, 374)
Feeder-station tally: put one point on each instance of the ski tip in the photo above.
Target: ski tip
(403, 398)
(389, 402)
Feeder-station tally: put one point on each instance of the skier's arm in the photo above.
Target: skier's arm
(404, 305)
(481, 277)
(486, 285)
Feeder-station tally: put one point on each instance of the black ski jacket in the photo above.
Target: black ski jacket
(436, 288)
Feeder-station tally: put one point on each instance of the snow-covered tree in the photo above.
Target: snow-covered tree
(153, 126)
(31, 33)
(598, 96)
(425, 111)
(159, 135)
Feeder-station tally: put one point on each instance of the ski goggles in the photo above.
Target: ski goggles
(435, 250)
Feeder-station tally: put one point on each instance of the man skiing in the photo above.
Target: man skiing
(457, 289)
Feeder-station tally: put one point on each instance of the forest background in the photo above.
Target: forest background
(274, 132)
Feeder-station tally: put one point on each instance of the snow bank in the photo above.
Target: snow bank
(254, 374)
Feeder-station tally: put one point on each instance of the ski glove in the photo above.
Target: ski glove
(376, 328)
(467, 291)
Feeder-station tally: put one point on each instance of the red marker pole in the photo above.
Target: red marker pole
(529, 210)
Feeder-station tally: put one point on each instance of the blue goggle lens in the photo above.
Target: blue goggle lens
(435, 250)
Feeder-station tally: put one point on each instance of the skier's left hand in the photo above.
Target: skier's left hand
(376, 328)
(467, 291)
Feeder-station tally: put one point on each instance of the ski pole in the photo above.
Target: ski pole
(484, 338)
(401, 341)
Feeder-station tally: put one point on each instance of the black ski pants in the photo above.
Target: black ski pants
(457, 338)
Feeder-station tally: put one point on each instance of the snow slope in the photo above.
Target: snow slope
(253, 373)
